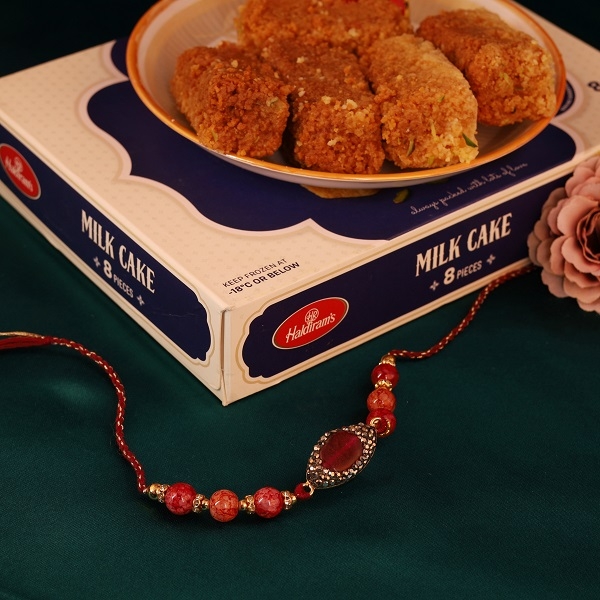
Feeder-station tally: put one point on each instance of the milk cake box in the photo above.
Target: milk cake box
(246, 279)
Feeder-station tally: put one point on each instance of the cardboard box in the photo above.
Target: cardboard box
(244, 279)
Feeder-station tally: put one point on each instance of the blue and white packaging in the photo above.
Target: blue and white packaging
(248, 280)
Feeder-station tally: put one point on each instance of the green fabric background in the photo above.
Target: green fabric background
(490, 487)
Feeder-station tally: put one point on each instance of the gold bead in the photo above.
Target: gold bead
(388, 359)
(156, 491)
(160, 494)
(153, 491)
(247, 505)
(200, 503)
(289, 500)
(384, 383)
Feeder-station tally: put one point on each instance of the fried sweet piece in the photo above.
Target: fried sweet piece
(232, 99)
(511, 75)
(429, 114)
(335, 120)
(351, 24)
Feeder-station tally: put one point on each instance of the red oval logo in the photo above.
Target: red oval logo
(19, 171)
(310, 323)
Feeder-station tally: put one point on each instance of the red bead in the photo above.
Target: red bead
(381, 398)
(341, 450)
(383, 420)
(224, 506)
(302, 492)
(179, 498)
(385, 372)
(268, 502)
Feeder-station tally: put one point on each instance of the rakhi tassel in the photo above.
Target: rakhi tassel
(18, 339)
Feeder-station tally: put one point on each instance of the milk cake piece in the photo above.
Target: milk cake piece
(353, 25)
(233, 101)
(511, 74)
(335, 124)
(429, 114)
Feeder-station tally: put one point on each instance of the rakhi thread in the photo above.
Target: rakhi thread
(337, 457)
(24, 339)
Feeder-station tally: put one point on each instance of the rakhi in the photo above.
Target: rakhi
(337, 457)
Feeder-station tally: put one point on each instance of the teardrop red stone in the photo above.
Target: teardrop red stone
(341, 450)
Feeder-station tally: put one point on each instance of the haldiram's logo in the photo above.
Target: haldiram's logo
(310, 323)
(19, 171)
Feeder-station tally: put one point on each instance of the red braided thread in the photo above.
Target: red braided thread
(13, 340)
(24, 340)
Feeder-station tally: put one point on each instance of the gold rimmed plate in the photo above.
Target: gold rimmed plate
(171, 26)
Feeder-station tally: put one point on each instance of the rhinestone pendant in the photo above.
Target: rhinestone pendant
(340, 455)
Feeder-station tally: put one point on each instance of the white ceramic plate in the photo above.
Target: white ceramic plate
(172, 26)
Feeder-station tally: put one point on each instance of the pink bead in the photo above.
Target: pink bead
(179, 498)
(385, 372)
(383, 420)
(268, 502)
(224, 506)
(381, 398)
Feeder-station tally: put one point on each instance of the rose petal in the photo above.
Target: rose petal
(580, 175)
(552, 216)
(588, 168)
(556, 260)
(554, 284)
(587, 295)
(553, 199)
(589, 163)
(572, 252)
(589, 188)
(541, 229)
(592, 163)
(532, 245)
(583, 280)
(588, 235)
(571, 211)
(544, 251)
(593, 307)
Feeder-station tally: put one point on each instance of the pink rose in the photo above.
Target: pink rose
(565, 242)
